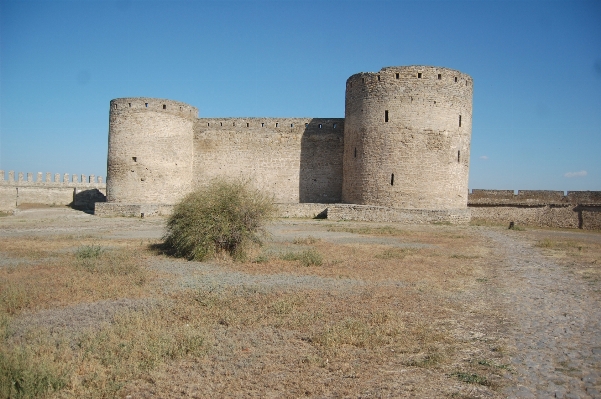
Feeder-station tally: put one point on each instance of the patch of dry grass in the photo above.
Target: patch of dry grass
(407, 316)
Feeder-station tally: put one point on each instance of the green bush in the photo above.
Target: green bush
(226, 216)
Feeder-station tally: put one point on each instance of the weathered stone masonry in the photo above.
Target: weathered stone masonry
(403, 144)
(78, 191)
(401, 154)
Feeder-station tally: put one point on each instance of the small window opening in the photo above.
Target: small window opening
(386, 116)
(208, 124)
(220, 123)
(306, 124)
(439, 76)
(129, 105)
(459, 120)
(164, 106)
(419, 75)
(466, 82)
(355, 152)
(292, 125)
(362, 80)
(335, 125)
(392, 179)
(233, 123)
(320, 125)
(135, 159)
(458, 155)
(397, 75)
(455, 79)
(247, 124)
(146, 105)
(115, 106)
(262, 124)
(277, 124)
(378, 78)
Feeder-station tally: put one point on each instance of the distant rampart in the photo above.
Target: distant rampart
(78, 191)
(574, 209)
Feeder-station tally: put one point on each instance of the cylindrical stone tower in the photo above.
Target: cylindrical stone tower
(407, 138)
(150, 153)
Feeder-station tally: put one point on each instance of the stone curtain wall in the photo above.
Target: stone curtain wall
(150, 150)
(407, 138)
(297, 160)
(576, 209)
(79, 191)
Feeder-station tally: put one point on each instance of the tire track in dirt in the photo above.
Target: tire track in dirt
(556, 324)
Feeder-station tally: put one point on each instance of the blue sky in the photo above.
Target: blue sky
(536, 67)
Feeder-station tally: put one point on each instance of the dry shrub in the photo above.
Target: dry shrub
(227, 216)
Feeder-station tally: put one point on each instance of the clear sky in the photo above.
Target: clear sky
(536, 67)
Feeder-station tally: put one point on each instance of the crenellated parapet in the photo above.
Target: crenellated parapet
(50, 180)
(533, 198)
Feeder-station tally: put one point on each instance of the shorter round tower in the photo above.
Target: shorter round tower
(407, 138)
(150, 152)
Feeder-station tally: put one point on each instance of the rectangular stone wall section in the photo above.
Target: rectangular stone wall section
(78, 191)
(576, 209)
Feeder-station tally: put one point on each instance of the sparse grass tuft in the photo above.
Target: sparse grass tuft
(305, 240)
(88, 252)
(396, 253)
(14, 297)
(23, 374)
(310, 257)
(470, 378)
(224, 217)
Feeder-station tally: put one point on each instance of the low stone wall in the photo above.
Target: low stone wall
(304, 210)
(576, 209)
(407, 216)
(79, 193)
(108, 209)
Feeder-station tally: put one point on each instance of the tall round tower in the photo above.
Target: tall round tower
(407, 138)
(150, 153)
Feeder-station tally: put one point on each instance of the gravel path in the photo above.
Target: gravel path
(556, 325)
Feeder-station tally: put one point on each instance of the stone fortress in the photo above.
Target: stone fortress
(401, 154)
(403, 147)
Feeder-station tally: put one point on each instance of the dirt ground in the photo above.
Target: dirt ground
(324, 309)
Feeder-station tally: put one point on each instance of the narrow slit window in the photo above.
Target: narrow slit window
(262, 124)
(220, 123)
(355, 152)
(208, 124)
(419, 75)
(320, 125)
(247, 124)
(306, 124)
(292, 125)
(466, 82)
(392, 179)
(455, 79)
(397, 75)
(378, 78)
(458, 155)
(277, 124)
(459, 120)
(362, 80)
(335, 125)
(146, 105)
(115, 106)
(129, 105)
(386, 116)
(439, 76)
(233, 123)
(164, 106)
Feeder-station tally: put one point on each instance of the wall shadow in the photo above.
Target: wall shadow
(322, 147)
